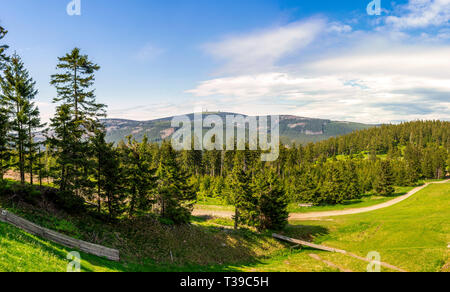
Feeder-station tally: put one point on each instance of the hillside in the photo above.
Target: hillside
(388, 231)
(293, 129)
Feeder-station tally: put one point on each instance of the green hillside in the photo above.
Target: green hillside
(412, 235)
(293, 129)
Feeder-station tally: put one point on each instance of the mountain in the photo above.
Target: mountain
(293, 129)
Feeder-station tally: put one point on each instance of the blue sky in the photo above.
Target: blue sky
(325, 59)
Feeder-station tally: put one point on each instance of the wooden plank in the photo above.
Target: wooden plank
(305, 243)
(330, 249)
(90, 248)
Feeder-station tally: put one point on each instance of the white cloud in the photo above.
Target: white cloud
(421, 14)
(373, 87)
(262, 49)
(385, 74)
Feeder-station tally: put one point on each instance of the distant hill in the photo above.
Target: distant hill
(293, 129)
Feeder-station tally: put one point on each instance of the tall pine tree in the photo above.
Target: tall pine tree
(18, 91)
(77, 119)
(174, 194)
(4, 117)
(270, 210)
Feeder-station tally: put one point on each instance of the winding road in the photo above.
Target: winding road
(318, 215)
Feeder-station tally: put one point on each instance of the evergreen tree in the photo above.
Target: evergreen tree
(77, 119)
(4, 117)
(333, 188)
(74, 87)
(5, 153)
(3, 48)
(174, 195)
(137, 175)
(238, 188)
(18, 91)
(270, 210)
(33, 147)
(351, 181)
(63, 140)
(107, 174)
(385, 180)
(413, 160)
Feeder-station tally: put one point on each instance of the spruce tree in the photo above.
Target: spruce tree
(4, 117)
(18, 91)
(107, 174)
(74, 87)
(138, 175)
(77, 119)
(385, 180)
(62, 141)
(5, 152)
(238, 188)
(270, 210)
(33, 147)
(3, 48)
(174, 194)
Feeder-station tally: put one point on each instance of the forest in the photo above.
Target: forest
(134, 178)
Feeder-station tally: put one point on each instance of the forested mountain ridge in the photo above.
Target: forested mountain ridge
(293, 129)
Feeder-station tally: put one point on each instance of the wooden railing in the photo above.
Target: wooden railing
(90, 248)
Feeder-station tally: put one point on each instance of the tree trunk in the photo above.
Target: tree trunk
(236, 219)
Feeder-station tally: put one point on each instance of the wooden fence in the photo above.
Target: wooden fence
(90, 248)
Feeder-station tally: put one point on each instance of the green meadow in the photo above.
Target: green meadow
(412, 235)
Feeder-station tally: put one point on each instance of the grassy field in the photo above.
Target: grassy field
(412, 235)
(366, 201)
(22, 252)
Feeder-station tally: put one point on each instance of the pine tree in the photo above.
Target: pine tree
(238, 188)
(33, 147)
(385, 180)
(351, 182)
(74, 87)
(333, 188)
(17, 94)
(107, 174)
(77, 119)
(5, 153)
(3, 48)
(412, 157)
(174, 195)
(62, 141)
(138, 175)
(4, 117)
(270, 210)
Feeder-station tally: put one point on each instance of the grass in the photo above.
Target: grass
(367, 200)
(145, 243)
(22, 252)
(412, 235)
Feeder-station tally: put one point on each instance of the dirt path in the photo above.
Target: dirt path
(315, 215)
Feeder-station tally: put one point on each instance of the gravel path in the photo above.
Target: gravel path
(315, 215)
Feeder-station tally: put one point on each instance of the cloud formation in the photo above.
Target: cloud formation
(421, 13)
(262, 49)
(380, 75)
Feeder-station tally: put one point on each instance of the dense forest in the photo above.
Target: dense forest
(137, 178)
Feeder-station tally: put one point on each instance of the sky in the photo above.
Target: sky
(319, 59)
